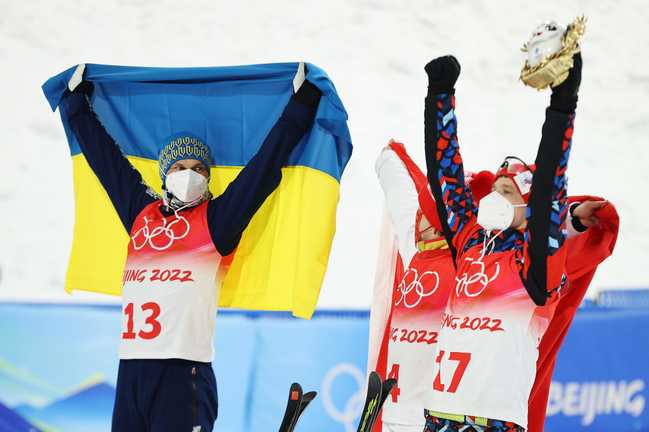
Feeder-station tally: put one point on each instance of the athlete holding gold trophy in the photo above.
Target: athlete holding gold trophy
(509, 251)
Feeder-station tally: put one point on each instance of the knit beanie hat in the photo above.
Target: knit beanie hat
(183, 145)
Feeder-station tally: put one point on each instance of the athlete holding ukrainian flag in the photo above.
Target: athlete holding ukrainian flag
(177, 253)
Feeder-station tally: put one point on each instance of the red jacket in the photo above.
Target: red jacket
(585, 253)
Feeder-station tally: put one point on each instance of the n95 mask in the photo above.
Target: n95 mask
(496, 212)
(186, 185)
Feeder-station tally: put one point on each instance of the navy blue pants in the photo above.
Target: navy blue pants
(169, 395)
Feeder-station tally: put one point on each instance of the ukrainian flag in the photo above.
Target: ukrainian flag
(281, 260)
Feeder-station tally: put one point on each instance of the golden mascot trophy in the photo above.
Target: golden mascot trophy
(549, 53)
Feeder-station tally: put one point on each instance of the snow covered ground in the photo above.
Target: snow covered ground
(375, 52)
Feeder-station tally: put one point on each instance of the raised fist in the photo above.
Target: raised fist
(442, 74)
(78, 84)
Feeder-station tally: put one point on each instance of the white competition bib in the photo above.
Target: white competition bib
(488, 342)
(418, 304)
(170, 289)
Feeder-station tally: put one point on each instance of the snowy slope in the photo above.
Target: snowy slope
(375, 52)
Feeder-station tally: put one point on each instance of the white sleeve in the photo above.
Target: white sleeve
(382, 295)
(400, 199)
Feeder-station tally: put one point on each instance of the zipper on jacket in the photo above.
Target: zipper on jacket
(194, 396)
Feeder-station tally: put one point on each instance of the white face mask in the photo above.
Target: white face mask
(186, 185)
(495, 212)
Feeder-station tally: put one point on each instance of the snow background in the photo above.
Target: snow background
(374, 52)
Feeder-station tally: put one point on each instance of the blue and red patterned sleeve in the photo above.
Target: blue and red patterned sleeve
(544, 256)
(455, 204)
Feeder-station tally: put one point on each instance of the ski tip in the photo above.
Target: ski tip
(373, 400)
(375, 377)
(389, 383)
(309, 396)
(386, 388)
(295, 393)
(292, 408)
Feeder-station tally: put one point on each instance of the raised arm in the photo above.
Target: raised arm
(122, 182)
(548, 203)
(229, 213)
(400, 198)
(455, 204)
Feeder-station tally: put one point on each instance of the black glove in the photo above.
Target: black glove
(304, 91)
(442, 74)
(308, 94)
(78, 84)
(564, 96)
(86, 88)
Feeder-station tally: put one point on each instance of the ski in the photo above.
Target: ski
(292, 407)
(377, 393)
(372, 399)
(306, 400)
(295, 406)
(386, 388)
